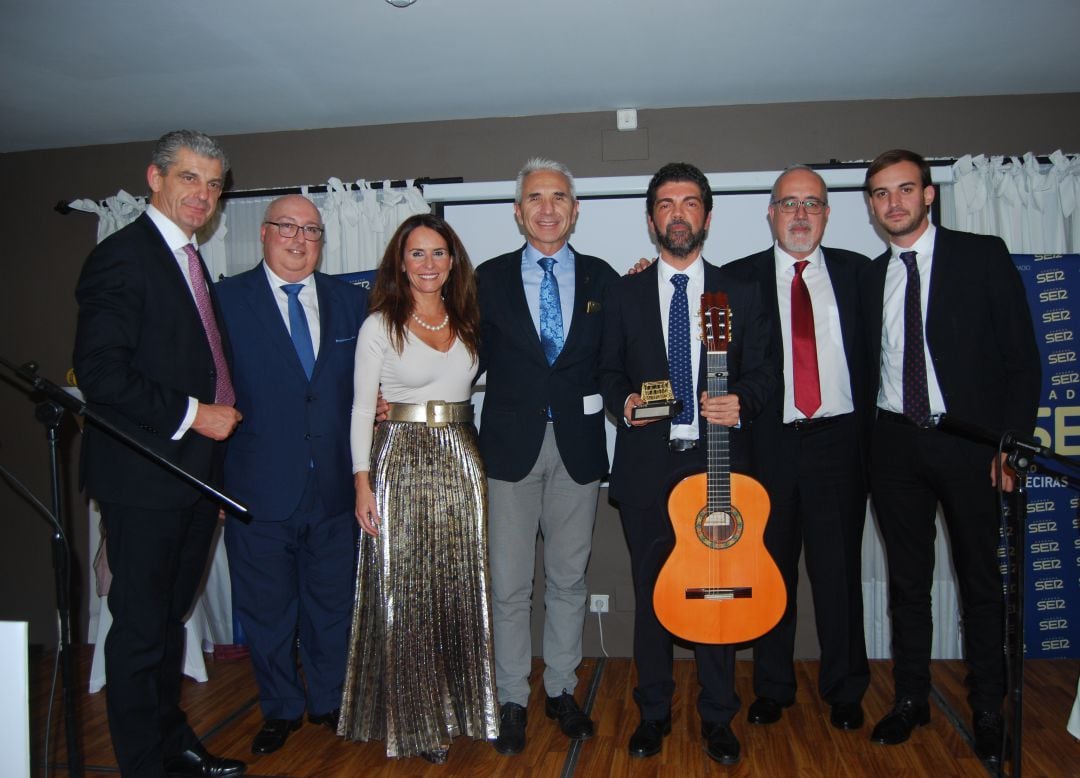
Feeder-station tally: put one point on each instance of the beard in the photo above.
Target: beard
(681, 245)
(798, 243)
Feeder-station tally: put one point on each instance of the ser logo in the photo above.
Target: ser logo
(1058, 336)
(1046, 564)
(1049, 585)
(1049, 276)
(1050, 605)
(1055, 644)
(1061, 357)
(1045, 547)
(1039, 506)
(1064, 379)
(1053, 295)
(1057, 315)
(1045, 625)
(1036, 527)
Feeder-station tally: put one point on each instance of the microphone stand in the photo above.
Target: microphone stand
(1020, 455)
(50, 413)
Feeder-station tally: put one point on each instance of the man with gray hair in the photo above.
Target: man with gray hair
(543, 443)
(152, 357)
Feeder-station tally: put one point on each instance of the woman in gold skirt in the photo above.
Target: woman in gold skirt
(420, 667)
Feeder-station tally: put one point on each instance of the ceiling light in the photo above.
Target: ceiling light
(401, 3)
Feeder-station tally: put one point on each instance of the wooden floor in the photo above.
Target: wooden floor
(224, 711)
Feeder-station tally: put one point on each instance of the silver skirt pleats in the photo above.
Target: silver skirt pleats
(420, 666)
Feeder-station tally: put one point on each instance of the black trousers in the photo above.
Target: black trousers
(157, 559)
(912, 470)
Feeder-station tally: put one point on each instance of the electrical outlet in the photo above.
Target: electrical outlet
(598, 603)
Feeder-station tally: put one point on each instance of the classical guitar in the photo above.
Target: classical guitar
(720, 585)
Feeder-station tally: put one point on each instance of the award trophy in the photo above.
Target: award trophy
(660, 402)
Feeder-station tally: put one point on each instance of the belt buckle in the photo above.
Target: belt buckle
(438, 414)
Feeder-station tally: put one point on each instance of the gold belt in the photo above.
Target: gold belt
(434, 413)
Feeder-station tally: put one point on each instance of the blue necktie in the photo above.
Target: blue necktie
(298, 328)
(682, 375)
(551, 329)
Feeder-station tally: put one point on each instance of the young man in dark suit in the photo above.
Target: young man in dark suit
(652, 455)
(152, 358)
(293, 333)
(809, 447)
(542, 440)
(949, 325)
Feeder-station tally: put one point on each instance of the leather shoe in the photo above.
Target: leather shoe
(766, 710)
(511, 739)
(989, 731)
(572, 720)
(897, 725)
(273, 734)
(846, 715)
(721, 745)
(326, 719)
(198, 761)
(648, 738)
(436, 756)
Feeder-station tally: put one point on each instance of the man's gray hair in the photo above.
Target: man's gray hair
(792, 169)
(535, 165)
(169, 145)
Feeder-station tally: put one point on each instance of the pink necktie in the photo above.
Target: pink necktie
(223, 392)
(804, 345)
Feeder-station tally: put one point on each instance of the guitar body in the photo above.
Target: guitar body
(719, 557)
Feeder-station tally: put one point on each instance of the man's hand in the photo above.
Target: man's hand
(1008, 475)
(722, 409)
(216, 422)
(633, 401)
(640, 265)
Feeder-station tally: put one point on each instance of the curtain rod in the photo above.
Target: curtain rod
(64, 207)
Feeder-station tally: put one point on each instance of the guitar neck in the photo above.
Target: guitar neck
(719, 463)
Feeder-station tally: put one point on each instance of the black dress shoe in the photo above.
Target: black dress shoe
(437, 756)
(897, 725)
(721, 745)
(648, 738)
(572, 720)
(198, 761)
(846, 715)
(989, 732)
(511, 739)
(766, 710)
(326, 719)
(273, 734)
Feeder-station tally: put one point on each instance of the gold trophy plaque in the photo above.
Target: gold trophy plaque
(659, 402)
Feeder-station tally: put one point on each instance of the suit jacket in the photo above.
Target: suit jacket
(978, 329)
(769, 462)
(290, 423)
(520, 383)
(633, 351)
(140, 352)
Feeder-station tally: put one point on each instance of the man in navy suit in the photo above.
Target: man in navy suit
(948, 323)
(809, 448)
(151, 358)
(652, 455)
(542, 440)
(294, 333)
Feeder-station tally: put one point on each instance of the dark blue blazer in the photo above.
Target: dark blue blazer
(290, 422)
(520, 383)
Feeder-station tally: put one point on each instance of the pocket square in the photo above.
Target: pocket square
(344, 340)
(592, 306)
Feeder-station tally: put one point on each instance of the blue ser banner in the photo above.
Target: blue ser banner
(1052, 552)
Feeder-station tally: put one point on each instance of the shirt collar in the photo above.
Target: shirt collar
(924, 246)
(173, 235)
(696, 270)
(784, 261)
(532, 255)
(277, 282)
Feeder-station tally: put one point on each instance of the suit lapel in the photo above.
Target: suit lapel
(266, 311)
(519, 306)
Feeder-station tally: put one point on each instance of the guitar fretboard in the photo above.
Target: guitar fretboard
(719, 463)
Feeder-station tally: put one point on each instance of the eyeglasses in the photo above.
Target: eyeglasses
(791, 204)
(288, 230)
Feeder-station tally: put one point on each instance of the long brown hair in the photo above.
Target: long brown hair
(393, 297)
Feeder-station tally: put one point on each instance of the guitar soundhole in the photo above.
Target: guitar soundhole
(719, 529)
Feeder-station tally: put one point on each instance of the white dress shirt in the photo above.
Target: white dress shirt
(309, 301)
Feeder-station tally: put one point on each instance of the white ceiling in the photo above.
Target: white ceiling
(79, 72)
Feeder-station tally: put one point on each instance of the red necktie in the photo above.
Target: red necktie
(223, 391)
(804, 345)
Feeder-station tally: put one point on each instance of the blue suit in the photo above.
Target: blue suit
(290, 463)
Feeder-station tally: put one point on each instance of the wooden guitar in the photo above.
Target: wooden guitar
(720, 585)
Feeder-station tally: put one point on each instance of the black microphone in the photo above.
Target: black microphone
(1007, 441)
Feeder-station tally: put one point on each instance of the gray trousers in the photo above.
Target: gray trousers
(563, 511)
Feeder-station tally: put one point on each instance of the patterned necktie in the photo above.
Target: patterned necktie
(551, 324)
(223, 389)
(916, 397)
(804, 345)
(298, 328)
(678, 350)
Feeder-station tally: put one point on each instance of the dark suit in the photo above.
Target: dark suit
(140, 352)
(982, 344)
(290, 463)
(543, 476)
(815, 478)
(633, 351)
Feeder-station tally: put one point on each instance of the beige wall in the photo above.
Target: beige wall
(42, 251)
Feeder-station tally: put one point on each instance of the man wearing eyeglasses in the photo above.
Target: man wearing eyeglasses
(809, 446)
(294, 333)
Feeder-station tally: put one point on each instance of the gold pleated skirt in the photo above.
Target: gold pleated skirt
(420, 666)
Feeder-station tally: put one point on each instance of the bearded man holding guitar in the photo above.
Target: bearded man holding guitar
(650, 320)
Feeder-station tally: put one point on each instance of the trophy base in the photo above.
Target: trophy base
(662, 410)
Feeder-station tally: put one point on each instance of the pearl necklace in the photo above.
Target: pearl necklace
(432, 327)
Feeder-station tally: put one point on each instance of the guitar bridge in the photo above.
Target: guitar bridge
(720, 593)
